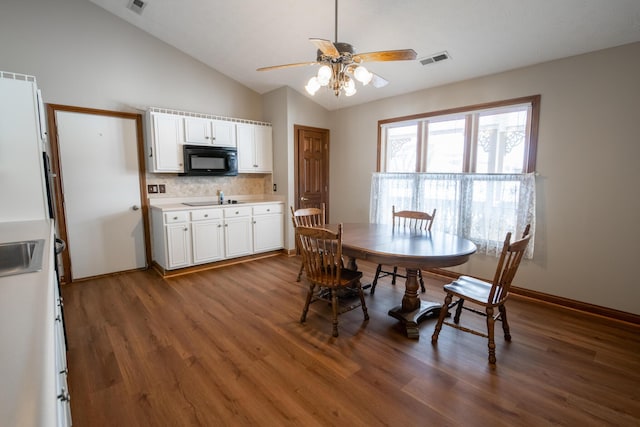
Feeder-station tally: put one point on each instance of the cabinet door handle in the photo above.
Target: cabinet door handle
(206, 215)
(150, 151)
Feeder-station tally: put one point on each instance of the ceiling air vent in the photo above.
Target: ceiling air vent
(137, 6)
(435, 58)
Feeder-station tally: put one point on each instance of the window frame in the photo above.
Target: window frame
(469, 150)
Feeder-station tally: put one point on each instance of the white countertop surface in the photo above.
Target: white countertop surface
(175, 204)
(27, 364)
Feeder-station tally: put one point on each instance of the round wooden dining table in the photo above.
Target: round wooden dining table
(408, 248)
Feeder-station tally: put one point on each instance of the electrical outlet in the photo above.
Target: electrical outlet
(152, 188)
(162, 188)
(275, 187)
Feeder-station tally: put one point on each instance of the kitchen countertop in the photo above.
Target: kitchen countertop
(27, 368)
(175, 203)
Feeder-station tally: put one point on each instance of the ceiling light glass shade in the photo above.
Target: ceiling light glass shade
(362, 75)
(349, 87)
(312, 86)
(324, 75)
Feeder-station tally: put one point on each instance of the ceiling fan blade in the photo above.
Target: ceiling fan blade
(326, 46)
(279, 67)
(386, 55)
(378, 81)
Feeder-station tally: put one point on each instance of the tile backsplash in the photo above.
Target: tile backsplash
(190, 186)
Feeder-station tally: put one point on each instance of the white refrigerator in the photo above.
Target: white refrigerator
(23, 188)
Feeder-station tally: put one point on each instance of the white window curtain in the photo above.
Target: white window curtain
(479, 207)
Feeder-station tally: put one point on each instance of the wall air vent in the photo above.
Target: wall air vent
(435, 58)
(137, 6)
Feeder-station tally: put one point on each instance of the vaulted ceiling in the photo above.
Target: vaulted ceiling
(481, 36)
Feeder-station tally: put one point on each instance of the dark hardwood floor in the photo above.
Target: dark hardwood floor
(224, 347)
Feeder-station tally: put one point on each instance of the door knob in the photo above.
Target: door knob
(304, 199)
(135, 207)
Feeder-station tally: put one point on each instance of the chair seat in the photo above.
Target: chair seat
(470, 289)
(347, 278)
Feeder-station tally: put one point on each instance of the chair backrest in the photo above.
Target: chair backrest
(321, 251)
(508, 264)
(413, 219)
(308, 217)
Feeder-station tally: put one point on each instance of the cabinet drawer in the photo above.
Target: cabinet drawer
(238, 211)
(173, 217)
(206, 214)
(267, 209)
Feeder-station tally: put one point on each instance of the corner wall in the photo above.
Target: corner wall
(587, 231)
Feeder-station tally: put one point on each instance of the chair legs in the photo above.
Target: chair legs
(362, 303)
(394, 274)
(459, 305)
(443, 313)
(375, 279)
(334, 306)
(491, 320)
(303, 317)
(505, 324)
(334, 310)
(492, 343)
(300, 272)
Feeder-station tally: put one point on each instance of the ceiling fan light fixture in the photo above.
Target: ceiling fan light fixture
(362, 75)
(324, 75)
(349, 86)
(312, 86)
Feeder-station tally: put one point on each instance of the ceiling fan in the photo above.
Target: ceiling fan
(340, 65)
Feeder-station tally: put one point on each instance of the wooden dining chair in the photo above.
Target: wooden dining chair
(322, 255)
(307, 217)
(406, 219)
(485, 294)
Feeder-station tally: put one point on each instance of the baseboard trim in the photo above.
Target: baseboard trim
(203, 267)
(556, 300)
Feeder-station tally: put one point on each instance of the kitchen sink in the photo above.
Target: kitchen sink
(21, 257)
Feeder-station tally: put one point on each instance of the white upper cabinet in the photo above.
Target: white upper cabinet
(255, 148)
(203, 131)
(164, 143)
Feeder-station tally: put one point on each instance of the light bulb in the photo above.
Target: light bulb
(349, 87)
(362, 75)
(312, 86)
(324, 75)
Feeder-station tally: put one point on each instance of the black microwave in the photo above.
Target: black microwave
(201, 160)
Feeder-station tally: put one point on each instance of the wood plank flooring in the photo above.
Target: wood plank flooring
(224, 348)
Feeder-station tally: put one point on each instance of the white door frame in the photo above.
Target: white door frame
(57, 177)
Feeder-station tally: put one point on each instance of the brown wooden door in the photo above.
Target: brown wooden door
(312, 167)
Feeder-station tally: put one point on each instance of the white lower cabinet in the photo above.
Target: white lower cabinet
(268, 227)
(185, 238)
(178, 237)
(238, 236)
(207, 235)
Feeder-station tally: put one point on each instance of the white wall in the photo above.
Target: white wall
(84, 56)
(587, 156)
(588, 199)
(285, 108)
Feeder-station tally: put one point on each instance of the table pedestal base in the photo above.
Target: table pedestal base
(410, 319)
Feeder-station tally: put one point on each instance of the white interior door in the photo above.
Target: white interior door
(101, 187)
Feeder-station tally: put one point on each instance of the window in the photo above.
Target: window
(499, 137)
(474, 165)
